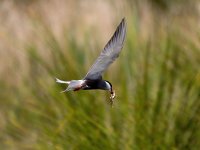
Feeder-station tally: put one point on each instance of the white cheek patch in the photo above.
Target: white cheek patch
(108, 86)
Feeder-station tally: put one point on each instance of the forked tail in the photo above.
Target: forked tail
(73, 85)
(61, 81)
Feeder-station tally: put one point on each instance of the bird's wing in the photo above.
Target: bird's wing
(109, 53)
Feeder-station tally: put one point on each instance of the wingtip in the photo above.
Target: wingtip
(123, 26)
(124, 20)
(122, 23)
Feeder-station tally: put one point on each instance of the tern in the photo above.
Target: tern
(93, 79)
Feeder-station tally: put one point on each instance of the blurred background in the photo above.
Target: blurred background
(156, 77)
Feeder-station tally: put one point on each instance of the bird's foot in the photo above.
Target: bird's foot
(112, 96)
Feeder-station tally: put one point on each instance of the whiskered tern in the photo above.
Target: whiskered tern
(93, 79)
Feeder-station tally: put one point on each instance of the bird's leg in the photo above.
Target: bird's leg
(112, 96)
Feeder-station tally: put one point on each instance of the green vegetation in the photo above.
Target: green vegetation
(157, 82)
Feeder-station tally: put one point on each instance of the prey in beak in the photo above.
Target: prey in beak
(112, 96)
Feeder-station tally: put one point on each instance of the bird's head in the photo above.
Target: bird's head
(112, 92)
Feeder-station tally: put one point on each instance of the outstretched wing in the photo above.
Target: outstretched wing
(109, 53)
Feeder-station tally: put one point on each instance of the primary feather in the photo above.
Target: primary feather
(109, 53)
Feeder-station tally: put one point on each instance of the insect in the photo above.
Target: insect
(93, 79)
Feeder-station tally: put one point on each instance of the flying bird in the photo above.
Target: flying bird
(93, 79)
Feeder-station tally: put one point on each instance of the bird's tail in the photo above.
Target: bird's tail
(63, 82)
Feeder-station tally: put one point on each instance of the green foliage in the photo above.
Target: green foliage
(157, 106)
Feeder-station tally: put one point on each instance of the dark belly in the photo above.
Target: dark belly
(94, 85)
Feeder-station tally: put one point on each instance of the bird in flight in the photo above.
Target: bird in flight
(93, 79)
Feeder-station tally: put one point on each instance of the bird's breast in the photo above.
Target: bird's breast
(95, 84)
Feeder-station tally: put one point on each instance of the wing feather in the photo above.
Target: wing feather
(110, 52)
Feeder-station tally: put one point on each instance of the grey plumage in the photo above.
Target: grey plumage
(109, 53)
(93, 79)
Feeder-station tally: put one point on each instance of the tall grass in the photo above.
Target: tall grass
(157, 82)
